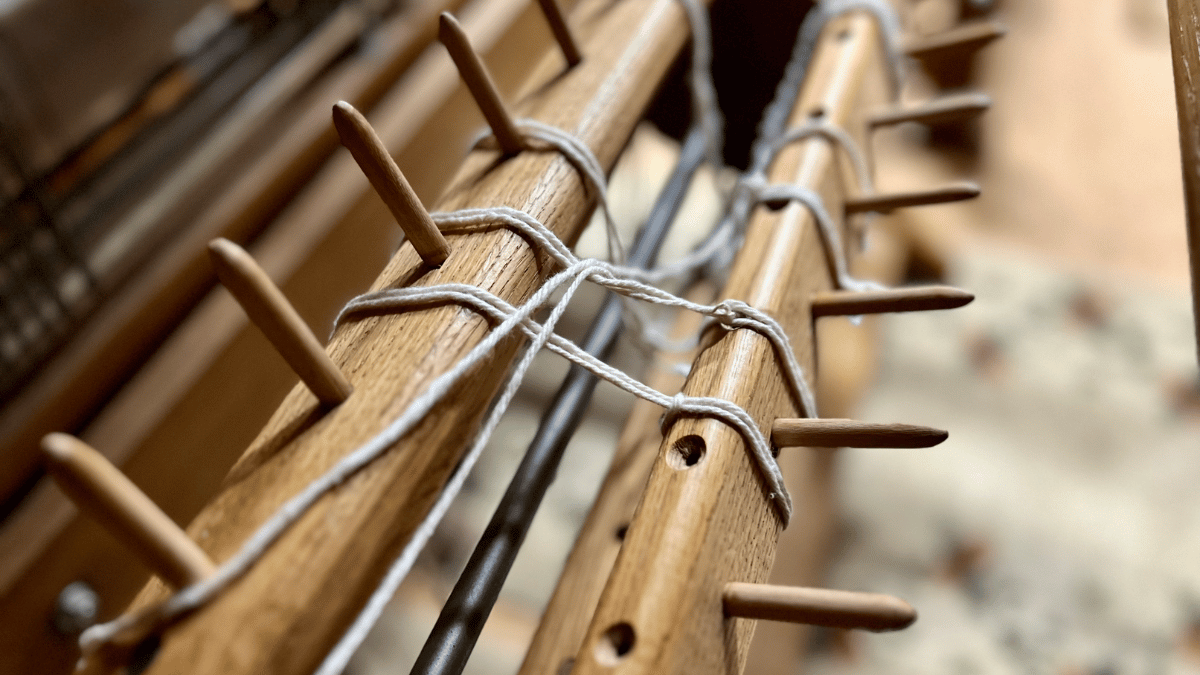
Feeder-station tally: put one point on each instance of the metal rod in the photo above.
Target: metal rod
(453, 637)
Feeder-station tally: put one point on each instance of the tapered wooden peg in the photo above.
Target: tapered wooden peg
(101, 491)
(838, 433)
(942, 110)
(562, 32)
(266, 306)
(479, 83)
(818, 607)
(883, 203)
(381, 170)
(956, 42)
(915, 299)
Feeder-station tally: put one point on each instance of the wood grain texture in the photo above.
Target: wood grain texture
(818, 607)
(565, 620)
(841, 433)
(283, 616)
(1184, 16)
(268, 309)
(703, 524)
(911, 299)
(194, 398)
(390, 184)
(253, 187)
(105, 494)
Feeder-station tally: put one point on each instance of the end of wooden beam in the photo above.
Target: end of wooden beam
(268, 309)
(102, 492)
(381, 170)
(479, 83)
(839, 433)
(915, 299)
(818, 607)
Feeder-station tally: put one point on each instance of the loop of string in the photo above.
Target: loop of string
(630, 283)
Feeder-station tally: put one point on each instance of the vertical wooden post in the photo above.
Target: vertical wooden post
(1184, 17)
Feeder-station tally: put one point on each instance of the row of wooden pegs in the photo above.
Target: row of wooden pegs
(100, 490)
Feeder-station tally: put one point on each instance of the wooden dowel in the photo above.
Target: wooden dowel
(479, 83)
(101, 491)
(562, 32)
(1184, 18)
(266, 306)
(381, 170)
(838, 433)
(883, 203)
(917, 299)
(956, 42)
(941, 110)
(818, 607)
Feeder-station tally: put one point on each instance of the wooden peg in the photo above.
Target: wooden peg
(917, 299)
(941, 110)
(838, 433)
(818, 607)
(266, 306)
(101, 491)
(381, 170)
(479, 83)
(883, 203)
(562, 32)
(956, 42)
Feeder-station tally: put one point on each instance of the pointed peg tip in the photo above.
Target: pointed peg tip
(479, 83)
(818, 607)
(911, 299)
(282, 325)
(841, 433)
(890, 201)
(105, 494)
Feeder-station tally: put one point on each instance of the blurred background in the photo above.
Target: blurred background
(1057, 531)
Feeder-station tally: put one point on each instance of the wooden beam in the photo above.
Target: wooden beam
(347, 540)
(702, 525)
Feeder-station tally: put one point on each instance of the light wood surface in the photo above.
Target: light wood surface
(271, 312)
(840, 433)
(913, 299)
(565, 621)
(702, 525)
(479, 83)
(348, 539)
(105, 494)
(818, 607)
(890, 201)
(951, 108)
(390, 184)
(1185, 54)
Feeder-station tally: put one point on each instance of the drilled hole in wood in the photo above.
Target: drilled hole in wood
(621, 531)
(816, 113)
(615, 644)
(844, 35)
(686, 452)
(564, 668)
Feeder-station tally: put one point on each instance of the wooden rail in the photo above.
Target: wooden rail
(347, 539)
(704, 520)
